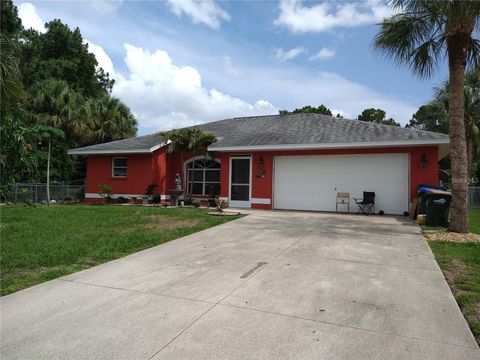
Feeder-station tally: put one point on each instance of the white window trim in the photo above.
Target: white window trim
(113, 166)
(185, 171)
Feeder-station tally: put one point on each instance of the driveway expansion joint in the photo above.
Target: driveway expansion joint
(348, 326)
(134, 291)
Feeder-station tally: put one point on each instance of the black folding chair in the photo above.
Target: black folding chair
(367, 204)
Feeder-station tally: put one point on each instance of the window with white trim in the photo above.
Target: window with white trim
(206, 176)
(119, 167)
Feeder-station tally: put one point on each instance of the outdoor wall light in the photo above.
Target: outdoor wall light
(261, 170)
(424, 161)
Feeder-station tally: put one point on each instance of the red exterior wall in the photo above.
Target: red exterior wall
(160, 168)
(142, 170)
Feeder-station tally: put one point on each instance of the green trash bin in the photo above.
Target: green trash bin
(422, 202)
(437, 207)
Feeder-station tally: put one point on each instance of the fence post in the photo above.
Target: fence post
(36, 193)
(16, 192)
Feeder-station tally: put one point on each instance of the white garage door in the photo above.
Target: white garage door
(312, 182)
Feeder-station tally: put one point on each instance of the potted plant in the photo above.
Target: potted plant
(149, 193)
(213, 192)
(222, 205)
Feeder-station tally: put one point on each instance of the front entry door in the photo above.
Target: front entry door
(240, 181)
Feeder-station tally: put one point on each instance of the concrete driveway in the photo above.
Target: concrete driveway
(272, 285)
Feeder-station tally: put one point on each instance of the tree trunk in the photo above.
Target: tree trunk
(184, 179)
(469, 143)
(457, 50)
(190, 192)
(48, 173)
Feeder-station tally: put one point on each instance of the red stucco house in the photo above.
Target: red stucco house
(292, 162)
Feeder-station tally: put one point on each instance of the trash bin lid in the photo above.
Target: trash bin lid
(439, 192)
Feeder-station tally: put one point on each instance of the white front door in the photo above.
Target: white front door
(240, 181)
(312, 182)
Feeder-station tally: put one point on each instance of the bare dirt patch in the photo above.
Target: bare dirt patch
(160, 222)
(456, 270)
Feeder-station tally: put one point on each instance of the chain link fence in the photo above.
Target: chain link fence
(37, 193)
(474, 197)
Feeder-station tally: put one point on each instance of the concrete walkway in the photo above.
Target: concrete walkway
(272, 285)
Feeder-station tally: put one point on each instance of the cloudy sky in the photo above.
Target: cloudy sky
(178, 63)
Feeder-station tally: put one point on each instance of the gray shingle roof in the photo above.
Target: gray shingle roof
(287, 130)
(140, 144)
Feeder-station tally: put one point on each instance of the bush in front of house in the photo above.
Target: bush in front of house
(122, 200)
(156, 199)
(105, 192)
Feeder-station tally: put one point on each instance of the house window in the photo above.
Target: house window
(206, 176)
(119, 167)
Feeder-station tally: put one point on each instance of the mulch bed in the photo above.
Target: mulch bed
(225, 213)
(444, 235)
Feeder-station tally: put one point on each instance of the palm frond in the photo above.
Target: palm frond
(411, 39)
(424, 59)
(473, 57)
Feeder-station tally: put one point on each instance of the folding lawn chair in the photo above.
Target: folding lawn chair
(343, 198)
(367, 204)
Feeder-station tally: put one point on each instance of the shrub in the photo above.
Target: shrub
(80, 194)
(150, 188)
(122, 200)
(196, 203)
(105, 192)
(156, 199)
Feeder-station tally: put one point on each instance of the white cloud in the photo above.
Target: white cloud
(284, 55)
(103, 59)
(325, 53)
(229, 67)
(201, 11)
(328, 15)
(164, 95)
(30, 19)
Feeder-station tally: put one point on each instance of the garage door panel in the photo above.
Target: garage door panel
(312, 182)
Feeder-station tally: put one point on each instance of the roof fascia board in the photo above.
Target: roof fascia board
(331, 145)
(113, 151)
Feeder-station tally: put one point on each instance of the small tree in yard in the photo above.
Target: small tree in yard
(420, 34)
(187, 140)
(48, 134)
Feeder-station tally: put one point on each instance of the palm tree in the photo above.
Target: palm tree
(178, 142)
(55, 104)
(199, 142)
(112, 119)
(188, 140)
(11, 87)
(420, 34)
(49, 134)
(471, 114)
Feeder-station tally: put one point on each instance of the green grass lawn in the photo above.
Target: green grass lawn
(460, 263)
(42, 243)
(475, 221)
